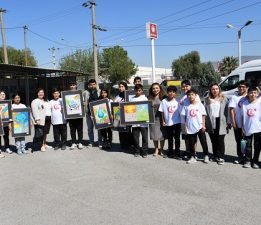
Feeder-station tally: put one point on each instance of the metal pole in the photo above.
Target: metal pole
(3, 35)
(25, 46)
(239, 47)
(95, 60)
(153, 60)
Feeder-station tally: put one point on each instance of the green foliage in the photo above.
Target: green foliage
(190, 67)
(17, 57)
(80, 61)
(117, 65)
(227, 65)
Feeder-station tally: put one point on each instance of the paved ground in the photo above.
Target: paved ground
(92, 186)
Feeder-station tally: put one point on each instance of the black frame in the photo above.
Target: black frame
(27, 110)
(9, 102)
(1, 127)
(99, 102)
(150, 112)
(129, 93)
(76, 115)
(120, 128)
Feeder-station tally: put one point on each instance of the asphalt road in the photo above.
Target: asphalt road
(93, 186)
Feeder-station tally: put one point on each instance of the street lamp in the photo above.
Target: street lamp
(230, 26)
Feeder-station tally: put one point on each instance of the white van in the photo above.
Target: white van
(249, 71)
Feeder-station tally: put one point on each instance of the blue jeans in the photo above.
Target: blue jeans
(90, 127)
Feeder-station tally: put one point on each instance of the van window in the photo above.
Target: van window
(253, 78)
(229, 83)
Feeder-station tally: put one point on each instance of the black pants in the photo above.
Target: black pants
(126, 139)
(191, 140)
(257, 147)
(173, 132)
(38, 136)
(76, 125)
(238, 137)
(203, 141)
(60, 134)
(218, 142)
(136, 138)
(6, 137)
(106, 134)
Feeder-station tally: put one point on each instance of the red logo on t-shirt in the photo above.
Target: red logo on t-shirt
(193, 112)
(171, 109)
(251, 112)
(56, 106)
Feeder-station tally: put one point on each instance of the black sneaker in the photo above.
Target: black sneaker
(56, 147)
(63, 147)
(136, 155)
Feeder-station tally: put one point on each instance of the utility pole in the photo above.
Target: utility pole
(3, 35)
(25, 45)
(53, 50)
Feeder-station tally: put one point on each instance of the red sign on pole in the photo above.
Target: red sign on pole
(152, 30)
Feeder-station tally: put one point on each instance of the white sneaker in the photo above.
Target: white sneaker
(206, 159)
(90, 145)
(48, 146)
(1, 155)
(192, 160)
(73, 146)
(80, 146)
(8, 151)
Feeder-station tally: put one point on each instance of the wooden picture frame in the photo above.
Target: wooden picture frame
(141, 112)
(73, 104)
(115, 111)
(101, 113)
(5, 110)
(131, 93)
(21, 126)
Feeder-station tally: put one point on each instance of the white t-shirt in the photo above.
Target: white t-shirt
(215, 108)
(118, 99)
(251, 113)
(57, 112)
(170, 111)
(47, 107)
(192, 117)
(139, 99)
(18, 106)
(236, 103)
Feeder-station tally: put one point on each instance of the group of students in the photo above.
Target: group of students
(176, 117)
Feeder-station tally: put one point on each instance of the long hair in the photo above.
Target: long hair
(105, 90)
(220, 95)
(162, 93)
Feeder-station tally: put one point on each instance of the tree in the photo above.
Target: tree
(17, 57)
(117, 65)
(227, 65)
(80, 60)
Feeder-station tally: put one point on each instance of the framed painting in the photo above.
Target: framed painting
(115, 110)
(136, 113)
(5, 110)
(101, 114)
(21, 122)
(1, 127)
(73, 104)
(131, 93)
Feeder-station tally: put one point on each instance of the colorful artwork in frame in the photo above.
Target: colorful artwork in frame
(136, 113)
(73, 104)
(115, 109)
(5, 110)
(21, 122)
(101, 114)
(1, 127)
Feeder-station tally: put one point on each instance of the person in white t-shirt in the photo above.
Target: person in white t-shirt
(193, 121)
(19, 141)
(58, 121)
(171, 120)
(251, 127)
(142, 128)
(234, 110)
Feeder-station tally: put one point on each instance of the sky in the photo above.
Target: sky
(183, 26)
